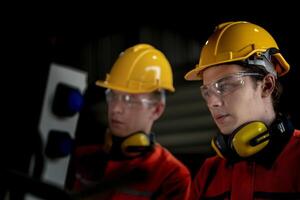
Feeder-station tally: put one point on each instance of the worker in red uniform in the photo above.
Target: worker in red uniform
(258, 150)
(131, 164)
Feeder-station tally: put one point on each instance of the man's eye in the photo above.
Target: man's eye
(127, 98)
(223, 87)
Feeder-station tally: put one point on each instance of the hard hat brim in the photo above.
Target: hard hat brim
(196, 73)
(105, 84)
(193, 74)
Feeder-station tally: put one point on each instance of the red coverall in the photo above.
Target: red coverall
(155, 175)
(245, 180)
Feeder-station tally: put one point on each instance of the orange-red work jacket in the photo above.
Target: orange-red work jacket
(250, 179)
(155, 175)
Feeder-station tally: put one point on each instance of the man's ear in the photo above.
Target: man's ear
(159, 109)
(268, 85)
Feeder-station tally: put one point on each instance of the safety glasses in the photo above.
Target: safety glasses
(129, 100)
(225, 85)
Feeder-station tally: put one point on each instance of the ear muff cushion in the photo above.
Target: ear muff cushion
(250, 139)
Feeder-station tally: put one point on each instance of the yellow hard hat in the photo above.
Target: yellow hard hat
(237, 41)
(140, 69)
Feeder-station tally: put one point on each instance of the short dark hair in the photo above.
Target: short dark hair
(276, 94)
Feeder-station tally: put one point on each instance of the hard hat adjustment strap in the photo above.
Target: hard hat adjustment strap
(263, 59)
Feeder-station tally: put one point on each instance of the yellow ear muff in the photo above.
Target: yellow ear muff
(135, 144)
(250, 139)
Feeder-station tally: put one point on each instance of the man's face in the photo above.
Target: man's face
(129, 113)
(231, 97)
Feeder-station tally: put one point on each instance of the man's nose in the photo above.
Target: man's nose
(214, 100)
(116, 105)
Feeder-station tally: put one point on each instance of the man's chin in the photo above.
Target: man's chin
(118, 133)
(226, 130)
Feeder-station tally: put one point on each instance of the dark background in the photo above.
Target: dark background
(36, 35)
